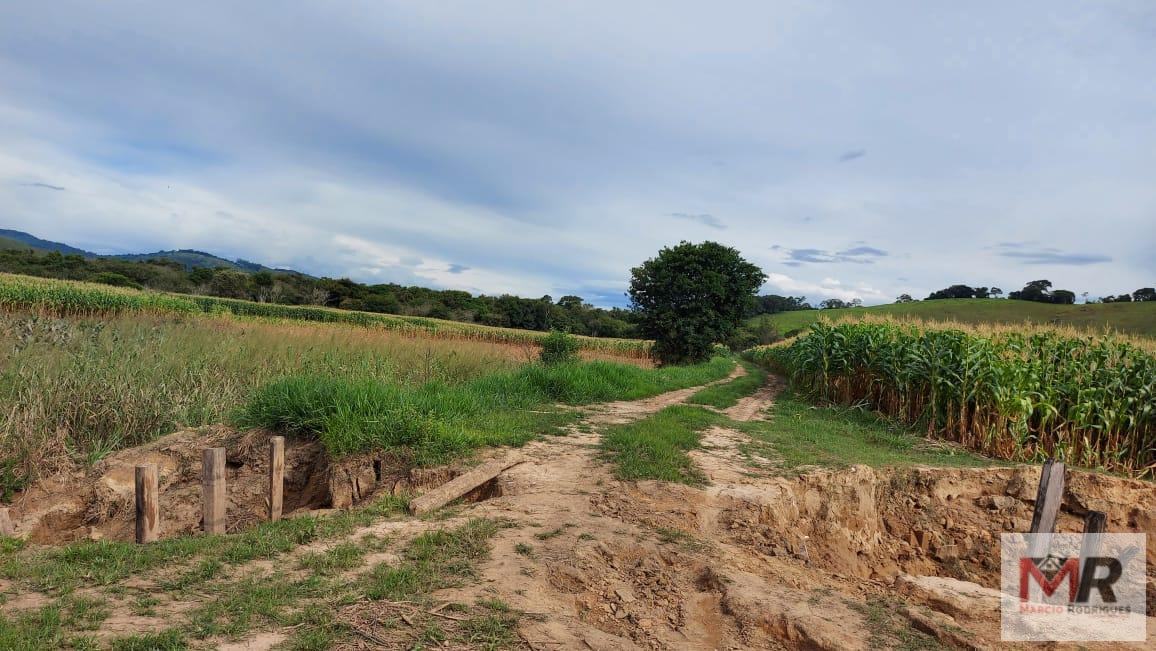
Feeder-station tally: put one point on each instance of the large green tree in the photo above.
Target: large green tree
(692, 296)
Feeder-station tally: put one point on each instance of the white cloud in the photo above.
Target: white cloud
(550, 151)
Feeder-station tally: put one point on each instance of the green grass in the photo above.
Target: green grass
(171, 640)
(436, 421)
(232, 604)
(656, 447)
(101, 563)
(433, 561)
(1130, 318)
(800, 436)
(727, 394)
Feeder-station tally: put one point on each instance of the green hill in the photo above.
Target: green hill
(193, 259)
(20, 240)
(1130, 318)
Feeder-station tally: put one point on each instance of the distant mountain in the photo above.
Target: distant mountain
(191, 258)
(34, 242)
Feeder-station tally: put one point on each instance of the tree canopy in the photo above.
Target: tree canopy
(692, 296)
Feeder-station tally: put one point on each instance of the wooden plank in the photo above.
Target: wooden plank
(148, 511)
(276, 476)
(214, 504)
(6, 528)
(1049, 496)
(460, 485)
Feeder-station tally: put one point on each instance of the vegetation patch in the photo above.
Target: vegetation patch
(727, 394)
(656, 447)
(800, 435)
(435, 421)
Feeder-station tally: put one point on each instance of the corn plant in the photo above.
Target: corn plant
(1088, 400)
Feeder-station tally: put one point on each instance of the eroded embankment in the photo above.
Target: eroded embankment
(98, 504)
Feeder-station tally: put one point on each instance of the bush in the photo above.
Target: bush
(115, 279)
(559, 348)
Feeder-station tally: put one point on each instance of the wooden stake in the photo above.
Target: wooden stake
(214, 505)
(6, 528)
(148, 515)
(276, 476)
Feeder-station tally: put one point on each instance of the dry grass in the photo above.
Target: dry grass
(75, 389)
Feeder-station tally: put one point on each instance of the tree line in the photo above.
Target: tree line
(1039, 291)
(569, 313)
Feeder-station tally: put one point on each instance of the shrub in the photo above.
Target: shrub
(115, 279)
(559, 348)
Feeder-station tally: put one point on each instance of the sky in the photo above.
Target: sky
(850, 149)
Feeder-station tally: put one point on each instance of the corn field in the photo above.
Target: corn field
(1090, 401)
(68, 298)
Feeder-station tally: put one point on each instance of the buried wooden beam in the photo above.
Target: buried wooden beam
(460, 485)
(148, 508)
(276, 476)
(6, 528)
(214, 502)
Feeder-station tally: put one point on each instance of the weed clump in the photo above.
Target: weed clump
(559, 348)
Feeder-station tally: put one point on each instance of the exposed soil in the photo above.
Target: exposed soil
(857, 558)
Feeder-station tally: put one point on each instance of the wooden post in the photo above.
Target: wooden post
(214, 492)
(1048, 497)
(1094, 525)
(276, 476)
(148, 516)
(6, 528)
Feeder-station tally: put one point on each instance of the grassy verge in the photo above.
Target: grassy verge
(656, 447)
(800, 435)
(728, 394)
(435, 421)
(797, 437)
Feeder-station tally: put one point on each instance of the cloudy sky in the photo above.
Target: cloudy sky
(851, 149)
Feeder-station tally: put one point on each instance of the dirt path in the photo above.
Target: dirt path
(603, 572)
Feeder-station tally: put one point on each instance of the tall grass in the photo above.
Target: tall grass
(75, 389)
(437, 420)
(1088, 400)
(70, 298)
